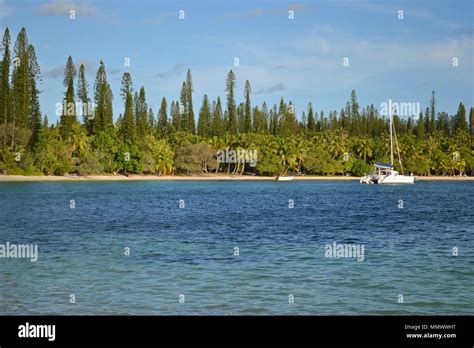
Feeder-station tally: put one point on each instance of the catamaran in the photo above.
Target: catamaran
(384, 173)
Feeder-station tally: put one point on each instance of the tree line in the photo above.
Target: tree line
(87, 140)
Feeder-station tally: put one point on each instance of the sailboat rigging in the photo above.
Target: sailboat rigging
(384, 173)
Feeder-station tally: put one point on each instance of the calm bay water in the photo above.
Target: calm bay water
(282, 251)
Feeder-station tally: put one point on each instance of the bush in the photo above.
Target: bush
(52, 154)
(106, 146)
(360, 168)
(322, 163)
(129, 159)
(89, 164)
(23, 166)
(195, 158)
(269, 164)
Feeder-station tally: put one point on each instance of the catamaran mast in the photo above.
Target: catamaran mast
(391, 137)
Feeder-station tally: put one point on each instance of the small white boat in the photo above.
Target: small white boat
(284, 178)
(384, 173)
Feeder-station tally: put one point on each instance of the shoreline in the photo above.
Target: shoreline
(209, 177)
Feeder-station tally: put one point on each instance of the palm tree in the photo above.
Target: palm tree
(343, 135)
(364, 148)
(337, 147)
(410, 152)
(286, 152)
(164, 158)
(217, 144)
(431, 145)
(445, 165)
(78, 141)
(301, 150)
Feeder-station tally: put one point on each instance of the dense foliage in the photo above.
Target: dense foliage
(340, 143)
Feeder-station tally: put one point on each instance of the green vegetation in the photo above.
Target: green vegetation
(344, 143)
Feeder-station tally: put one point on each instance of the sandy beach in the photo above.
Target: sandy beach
(209, 177)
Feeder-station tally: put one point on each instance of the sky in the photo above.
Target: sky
(313, 51)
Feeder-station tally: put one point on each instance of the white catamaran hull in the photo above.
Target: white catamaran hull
(388, 179)
(396, 179)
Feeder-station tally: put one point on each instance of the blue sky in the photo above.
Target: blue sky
(300, 59)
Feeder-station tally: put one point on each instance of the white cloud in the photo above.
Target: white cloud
(5, 10)
(279, 87)
(55, 72)
(408, 11)
(161, 18)
(58, 71)
(63, 7)
(175, 71)
(314, 60)
(260, 11)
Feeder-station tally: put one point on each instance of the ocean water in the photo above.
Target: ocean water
(408, 234)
